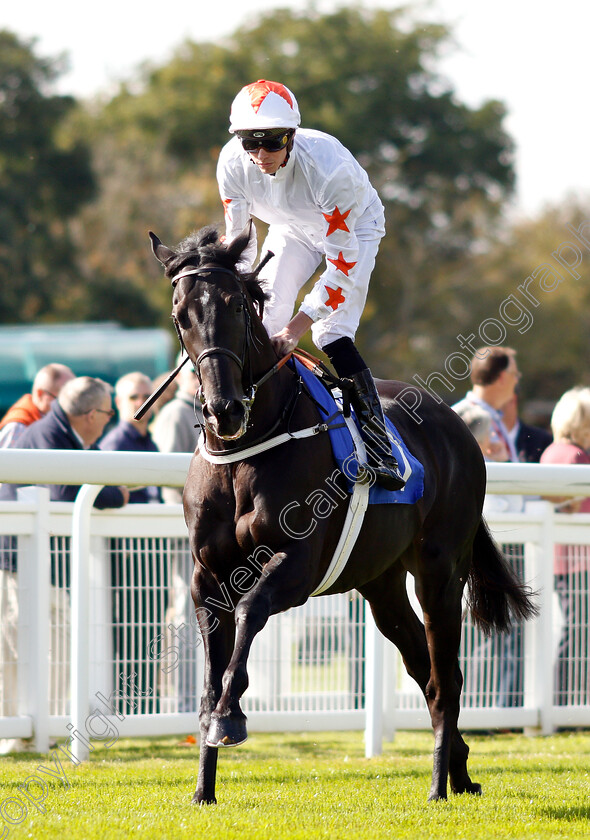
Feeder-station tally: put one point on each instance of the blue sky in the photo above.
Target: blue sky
(530, 55)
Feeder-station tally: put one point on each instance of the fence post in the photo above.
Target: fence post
(390, 666)
(80, 624)
(538, 640)
(34, 579)
(373, 687)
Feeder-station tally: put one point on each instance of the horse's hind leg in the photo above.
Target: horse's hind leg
(439, 587)
(399, 623)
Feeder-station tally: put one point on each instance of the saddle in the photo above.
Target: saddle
(332, 397)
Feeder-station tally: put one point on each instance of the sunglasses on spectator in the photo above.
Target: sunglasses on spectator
(109, 413)
(270, 143)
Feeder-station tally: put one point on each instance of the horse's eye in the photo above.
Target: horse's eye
(239, 308)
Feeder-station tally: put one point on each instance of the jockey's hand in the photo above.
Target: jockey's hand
(283, 342)
(288, 338)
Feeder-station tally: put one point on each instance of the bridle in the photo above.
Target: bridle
(243, 361)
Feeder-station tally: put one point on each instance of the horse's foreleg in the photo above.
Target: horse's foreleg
(217, 631)
(278, 588)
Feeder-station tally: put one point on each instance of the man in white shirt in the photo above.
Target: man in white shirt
(494, 376)
(318, 203)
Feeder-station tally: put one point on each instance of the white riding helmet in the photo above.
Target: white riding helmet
(262, 105)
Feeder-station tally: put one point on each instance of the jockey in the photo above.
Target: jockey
(318, 202)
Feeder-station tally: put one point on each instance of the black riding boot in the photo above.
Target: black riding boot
(368, 409)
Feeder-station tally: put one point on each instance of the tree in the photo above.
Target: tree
(369, 77)
(532, 280)
(442, 169)
(43, 181)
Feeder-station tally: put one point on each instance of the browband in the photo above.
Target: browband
(202, 270)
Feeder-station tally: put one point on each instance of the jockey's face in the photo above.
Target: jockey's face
(268, 162)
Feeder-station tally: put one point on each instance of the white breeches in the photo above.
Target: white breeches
(296, 260)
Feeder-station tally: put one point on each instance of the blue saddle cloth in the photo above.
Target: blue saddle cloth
(343, 449)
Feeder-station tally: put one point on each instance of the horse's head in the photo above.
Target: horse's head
(213, 314)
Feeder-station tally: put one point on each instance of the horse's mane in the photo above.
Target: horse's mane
(205, 247)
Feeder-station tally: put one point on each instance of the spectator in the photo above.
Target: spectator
(75, 421)
(479, 423)
(139, 575)
(176, 427)
(166, 396)
(31, 407)
(529, 441)
(494, 376)
(131, 435)
(570, 424)
(506, 649)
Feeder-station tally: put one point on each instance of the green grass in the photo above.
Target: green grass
(312, 786)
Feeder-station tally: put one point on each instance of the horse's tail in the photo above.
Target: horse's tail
(496, 596)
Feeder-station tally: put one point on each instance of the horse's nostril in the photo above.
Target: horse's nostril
(226, 418)
(223, 408)
(234, 407)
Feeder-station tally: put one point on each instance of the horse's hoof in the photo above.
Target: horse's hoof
(197, 800)
(227, 732)
(469, 787)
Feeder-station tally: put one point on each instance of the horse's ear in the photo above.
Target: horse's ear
(161, 252)
(237, 245)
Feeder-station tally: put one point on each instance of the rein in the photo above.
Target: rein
(266, 441)
(238, 452)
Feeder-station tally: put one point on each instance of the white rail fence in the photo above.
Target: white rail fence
(107, 640)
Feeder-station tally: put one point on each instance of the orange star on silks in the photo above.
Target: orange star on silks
(335, 297)
(336, 221)
(341, 264)
(226, 202)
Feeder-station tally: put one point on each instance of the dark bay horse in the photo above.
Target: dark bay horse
(248, 567)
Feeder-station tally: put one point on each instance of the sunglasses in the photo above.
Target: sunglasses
(269, 144)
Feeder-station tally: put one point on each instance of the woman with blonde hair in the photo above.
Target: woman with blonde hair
(570, 424)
